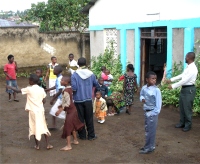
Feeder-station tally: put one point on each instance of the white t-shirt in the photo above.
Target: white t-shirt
(73, 63)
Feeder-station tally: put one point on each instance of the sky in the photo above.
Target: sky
(15, 5)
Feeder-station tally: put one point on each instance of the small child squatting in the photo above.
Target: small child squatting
(150, 95)
(72, 122)
(100, 108)
(34, 105)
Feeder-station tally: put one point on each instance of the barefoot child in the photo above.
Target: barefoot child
(41, 81)
(100, 108)
(10, 70)
(150, 95)
(72, 122)
(52, 77)
(58, 96)
(34, 105)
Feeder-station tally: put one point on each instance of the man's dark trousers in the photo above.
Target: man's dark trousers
(186, 100)
(85, 113)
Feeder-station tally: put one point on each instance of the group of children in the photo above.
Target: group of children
(64, 108)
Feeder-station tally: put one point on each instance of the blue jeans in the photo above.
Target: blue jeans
(12, 83)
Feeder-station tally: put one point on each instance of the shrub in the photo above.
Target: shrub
(112, 63)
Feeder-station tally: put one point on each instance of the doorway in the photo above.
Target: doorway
(153, 52)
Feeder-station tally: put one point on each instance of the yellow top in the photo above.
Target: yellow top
(51, 67)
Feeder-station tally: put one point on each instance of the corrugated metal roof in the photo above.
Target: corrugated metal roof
(6, 23)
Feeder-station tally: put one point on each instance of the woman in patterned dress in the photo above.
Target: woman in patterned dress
(129, 86)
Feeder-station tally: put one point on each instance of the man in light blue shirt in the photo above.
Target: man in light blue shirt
(150, 95)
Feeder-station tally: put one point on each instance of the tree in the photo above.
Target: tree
(58, 15)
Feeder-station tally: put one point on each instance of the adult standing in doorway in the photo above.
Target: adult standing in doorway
(82, 81)
(188, 91)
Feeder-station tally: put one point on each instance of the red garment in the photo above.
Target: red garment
(104, 76)
(10, 69)
(121, 78)
(72, 121)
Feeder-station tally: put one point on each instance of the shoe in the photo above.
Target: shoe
(145, 151)
(91, 139)
(179, 126)
(102, 121)
(99, 121)
(186, 129)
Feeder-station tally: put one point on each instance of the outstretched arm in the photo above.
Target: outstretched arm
(14, 89)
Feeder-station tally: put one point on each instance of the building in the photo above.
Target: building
(146, 33)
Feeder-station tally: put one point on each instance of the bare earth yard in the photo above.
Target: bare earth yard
(119, 138)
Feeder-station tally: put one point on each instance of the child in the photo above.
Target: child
(41, 81)
(129, 87)
(73, 66)
(103, 69)
(52, 77)
(57, 71)
(72, 122)
(34, 105)
(150, 95)
(10, 70)
(102, 88)
(100, 107)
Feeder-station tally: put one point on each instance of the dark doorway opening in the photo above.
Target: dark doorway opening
(153, 52)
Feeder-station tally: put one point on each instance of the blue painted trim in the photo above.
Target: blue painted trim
(123, 48)
(169, 51)
(188, 42)
(181, 23)
(137, 54)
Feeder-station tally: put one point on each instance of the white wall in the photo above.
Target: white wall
(106, 12)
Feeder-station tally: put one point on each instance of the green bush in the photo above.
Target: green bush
(171, 97)
(112, 63)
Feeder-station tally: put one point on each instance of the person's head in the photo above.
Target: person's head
(65, 81)
(130, 68)
(103, 69)
(98, 95)
(57, 70)
(107, 72)
(71, 57)
(190, 57)
(100, 81)
(33, 79)
(38, 72)
(10, 58)
(53, 59)
(81, 62)
(151, 78)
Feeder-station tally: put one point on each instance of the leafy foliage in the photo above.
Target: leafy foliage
(58, 15)
(111, 63)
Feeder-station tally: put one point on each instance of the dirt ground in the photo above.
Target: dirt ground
(119, 138)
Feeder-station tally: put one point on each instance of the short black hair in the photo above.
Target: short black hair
(10, 56)
(101, 78)
(71, 54)
(130, 66)
(82, 61)
(39, 69)
(103, 68)
(98, 92)
(34, 78)
(67, 78)
(58, 68)
(149, 74)
(191, 55)
(53, 57)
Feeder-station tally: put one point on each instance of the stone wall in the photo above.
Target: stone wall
(32, 48)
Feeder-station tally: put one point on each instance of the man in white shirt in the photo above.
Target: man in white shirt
(188, 91)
